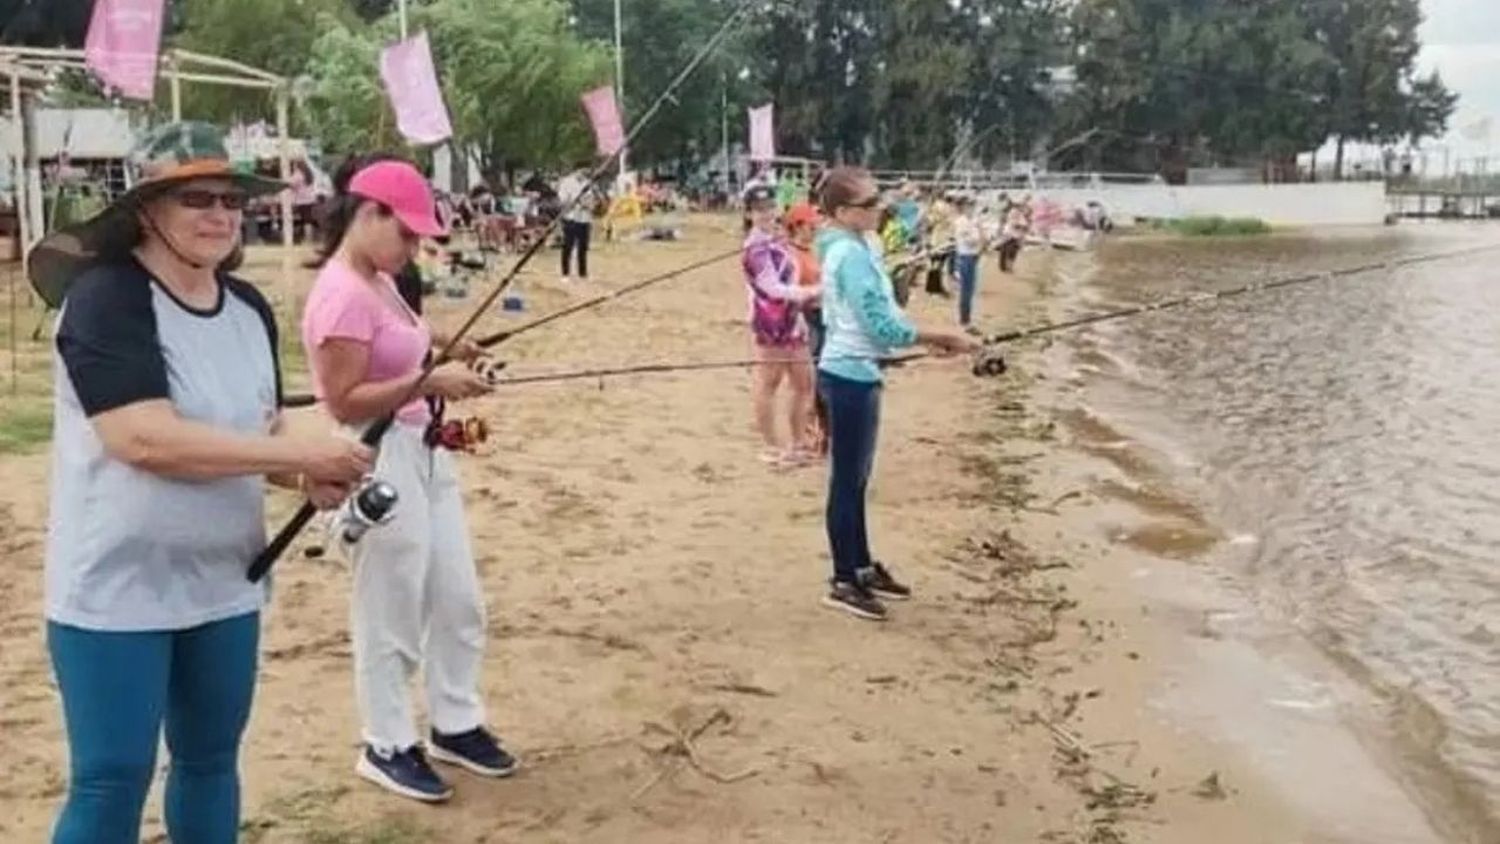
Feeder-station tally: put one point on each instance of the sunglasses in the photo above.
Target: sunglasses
(200, 200)
(868, 203)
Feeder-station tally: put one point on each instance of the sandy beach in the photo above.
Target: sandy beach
(657, 654)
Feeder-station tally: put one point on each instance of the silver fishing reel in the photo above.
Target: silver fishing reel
(372, 505)
(988, 363)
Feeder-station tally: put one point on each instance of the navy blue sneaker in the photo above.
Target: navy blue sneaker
(405, 772)
(476, 750)
(878, 579)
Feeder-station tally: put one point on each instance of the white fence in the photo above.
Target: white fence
(1321, 204)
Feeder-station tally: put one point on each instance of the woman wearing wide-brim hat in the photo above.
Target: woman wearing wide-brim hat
(166, 424)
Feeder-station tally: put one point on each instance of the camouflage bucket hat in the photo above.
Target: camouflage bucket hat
(164, 156)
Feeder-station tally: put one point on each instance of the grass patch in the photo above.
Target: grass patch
(24, 426)
(1217, 226)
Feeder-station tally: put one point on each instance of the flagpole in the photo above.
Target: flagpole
(620, 79)
(724, 132)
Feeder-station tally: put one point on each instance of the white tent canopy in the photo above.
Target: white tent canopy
(74, 132)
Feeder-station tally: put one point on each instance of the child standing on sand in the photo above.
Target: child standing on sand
(779, 330)
(864, 325)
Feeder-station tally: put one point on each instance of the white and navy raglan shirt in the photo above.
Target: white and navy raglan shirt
(128, 550)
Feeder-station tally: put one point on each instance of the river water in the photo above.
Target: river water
(1334, 448)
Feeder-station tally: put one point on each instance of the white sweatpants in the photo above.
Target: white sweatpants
(416, 600)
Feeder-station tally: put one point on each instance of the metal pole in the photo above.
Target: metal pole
(401, 15)
(724, 132)
(19, 172)
(20, 233)
(284, 152)
(176, 88)
(620, 78)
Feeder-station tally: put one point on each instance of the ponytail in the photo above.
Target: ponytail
(337, 212)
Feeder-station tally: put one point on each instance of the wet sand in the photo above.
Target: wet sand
(657, 655)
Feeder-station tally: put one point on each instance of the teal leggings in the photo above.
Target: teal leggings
(117, 691)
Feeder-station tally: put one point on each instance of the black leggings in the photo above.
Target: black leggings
(1009, 249)
(576, 236)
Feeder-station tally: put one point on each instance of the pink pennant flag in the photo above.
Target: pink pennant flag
(604, 116)
(122, 46)
(411, 82)
(763, 133)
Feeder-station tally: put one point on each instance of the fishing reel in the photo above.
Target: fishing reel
(372, 505)
(988, 363)
(488, 368)
(463, 435)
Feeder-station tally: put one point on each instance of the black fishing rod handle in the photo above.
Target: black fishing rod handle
(267, 558)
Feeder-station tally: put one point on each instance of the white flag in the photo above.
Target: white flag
(763, 133)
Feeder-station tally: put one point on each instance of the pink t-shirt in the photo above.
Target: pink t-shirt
(343, 305)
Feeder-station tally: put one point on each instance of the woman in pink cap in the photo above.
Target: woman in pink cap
(416, 601)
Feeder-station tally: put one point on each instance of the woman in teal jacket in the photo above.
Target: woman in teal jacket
(864, 325)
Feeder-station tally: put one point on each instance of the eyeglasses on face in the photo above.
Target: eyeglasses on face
(200, 200)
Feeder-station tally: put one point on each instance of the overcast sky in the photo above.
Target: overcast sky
(1461, 38)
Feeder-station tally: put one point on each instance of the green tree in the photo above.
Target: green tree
(44, 23)
(513, 74)
(819, 63)
(345, 106)
(511, 77)
(1015, 47)
(660, 37)
(921, 89)
(272, 35)
(1373, 91)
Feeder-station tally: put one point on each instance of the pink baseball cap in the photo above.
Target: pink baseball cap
(398, 186)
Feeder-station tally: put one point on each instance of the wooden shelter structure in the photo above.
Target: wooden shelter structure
(30, 69)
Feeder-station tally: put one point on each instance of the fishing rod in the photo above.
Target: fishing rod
(987, 362)
(499, 337)
(372, 435)
(1205, 296)
(298, 400)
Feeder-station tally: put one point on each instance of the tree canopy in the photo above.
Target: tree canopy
(1155, 85)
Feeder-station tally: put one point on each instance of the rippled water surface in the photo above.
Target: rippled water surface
(1352, 428)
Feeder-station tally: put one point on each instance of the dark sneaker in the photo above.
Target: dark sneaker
(476, 750)
(878, 579)
(405, 772)
(855, 600)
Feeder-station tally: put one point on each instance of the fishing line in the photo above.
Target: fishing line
(502, 336)
(298, 400)
(1205, 296)
(372, 435)
(988, 363)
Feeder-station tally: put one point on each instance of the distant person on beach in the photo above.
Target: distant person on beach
(938, 230)
(166, 427)
(909, 211)
(779, 330)
(1012, 235)
(968, 243)
(578, 202)
(416, 602)
(864, 325)
(802, 223)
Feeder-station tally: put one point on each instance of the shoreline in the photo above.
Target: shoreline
(654, 627)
